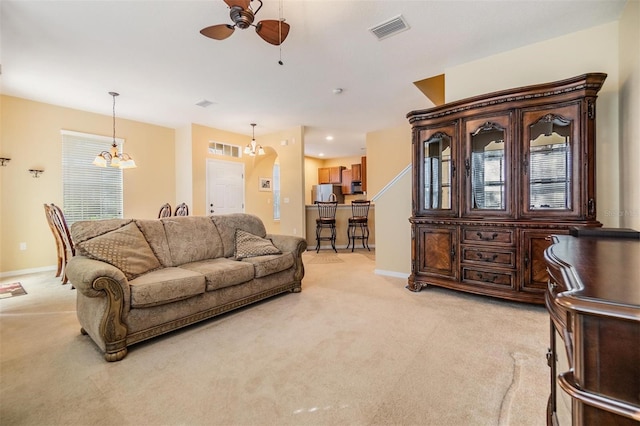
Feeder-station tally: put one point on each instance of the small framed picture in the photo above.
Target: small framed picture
(265, 184)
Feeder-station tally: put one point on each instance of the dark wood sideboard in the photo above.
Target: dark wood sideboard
(493, 176)
(593, 299)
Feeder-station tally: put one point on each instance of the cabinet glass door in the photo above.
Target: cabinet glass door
(548, 163)
(487, 167)
(437, 171)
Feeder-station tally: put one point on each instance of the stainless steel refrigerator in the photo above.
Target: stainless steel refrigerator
(327, 192)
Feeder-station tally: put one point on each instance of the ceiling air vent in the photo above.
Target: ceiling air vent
(391, 27)
(204, 103)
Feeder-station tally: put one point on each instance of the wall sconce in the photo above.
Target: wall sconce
(4, 161)
(36, 172)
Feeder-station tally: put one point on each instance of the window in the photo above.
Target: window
(219, 148)
(276, 191)
(89, 192)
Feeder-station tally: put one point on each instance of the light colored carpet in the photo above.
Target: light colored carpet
(353, 348)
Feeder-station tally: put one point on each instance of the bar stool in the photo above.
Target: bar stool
(326, 220)
(359, 220)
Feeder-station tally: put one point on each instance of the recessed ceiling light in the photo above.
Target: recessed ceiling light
(337, 90)
(329, 138)
(321, 154)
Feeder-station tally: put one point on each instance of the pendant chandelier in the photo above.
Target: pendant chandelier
(253, 148)
(119, 160)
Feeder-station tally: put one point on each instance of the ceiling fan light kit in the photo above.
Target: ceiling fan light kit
(273, 31)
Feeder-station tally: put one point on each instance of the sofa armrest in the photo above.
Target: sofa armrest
(295, 245)
(289, 243)
(83, 272)
(103, 303)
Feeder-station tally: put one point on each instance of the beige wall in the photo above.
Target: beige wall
(388, 154)
(30, 136)
(592, 50)
(629, 86)
(286, 146)
(311, 166)
(183, 163)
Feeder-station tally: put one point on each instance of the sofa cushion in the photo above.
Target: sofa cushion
(249, 245)
(267, 265)
(228, 223)
(164, 286)
(125, 248)
(153, 231)
(84, 230)
(222, 272)
(192, 238)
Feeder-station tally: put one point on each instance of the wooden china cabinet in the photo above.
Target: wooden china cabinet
(493, 177)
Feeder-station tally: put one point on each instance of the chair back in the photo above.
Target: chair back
(61, 225)
(48, 211)
(68, 249)
(165, 211)
(360, 209)
(182, 210)
(327, 210)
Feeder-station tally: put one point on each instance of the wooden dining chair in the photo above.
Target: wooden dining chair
(48, 211)
(67, 243)
(182, 210)
(165, 211)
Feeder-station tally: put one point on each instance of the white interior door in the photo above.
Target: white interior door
(225, 187)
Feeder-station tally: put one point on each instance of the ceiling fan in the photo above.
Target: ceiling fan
(242, 14)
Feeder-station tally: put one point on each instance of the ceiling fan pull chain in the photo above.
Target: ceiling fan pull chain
(280, 32)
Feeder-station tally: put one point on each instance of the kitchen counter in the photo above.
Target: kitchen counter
(343, 213)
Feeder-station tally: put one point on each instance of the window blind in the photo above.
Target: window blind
(550, 183)
(89, 192)
(488, 180)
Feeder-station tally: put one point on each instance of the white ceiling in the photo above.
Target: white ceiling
(72, 53)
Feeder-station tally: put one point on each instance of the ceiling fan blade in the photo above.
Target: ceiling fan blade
(273, 31)
(242, 3)
(218, 32)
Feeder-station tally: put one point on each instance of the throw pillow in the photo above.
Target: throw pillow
(125, 248)
(249, 245)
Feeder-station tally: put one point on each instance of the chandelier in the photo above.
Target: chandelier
(253, 148)
(120, 160)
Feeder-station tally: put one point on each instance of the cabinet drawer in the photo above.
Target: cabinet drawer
(487, 276)
(489, 236)
(485, 255)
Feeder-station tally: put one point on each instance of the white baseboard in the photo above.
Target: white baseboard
(27, 271)
(391, 273)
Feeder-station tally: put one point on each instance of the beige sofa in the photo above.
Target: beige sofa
(137, 279)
